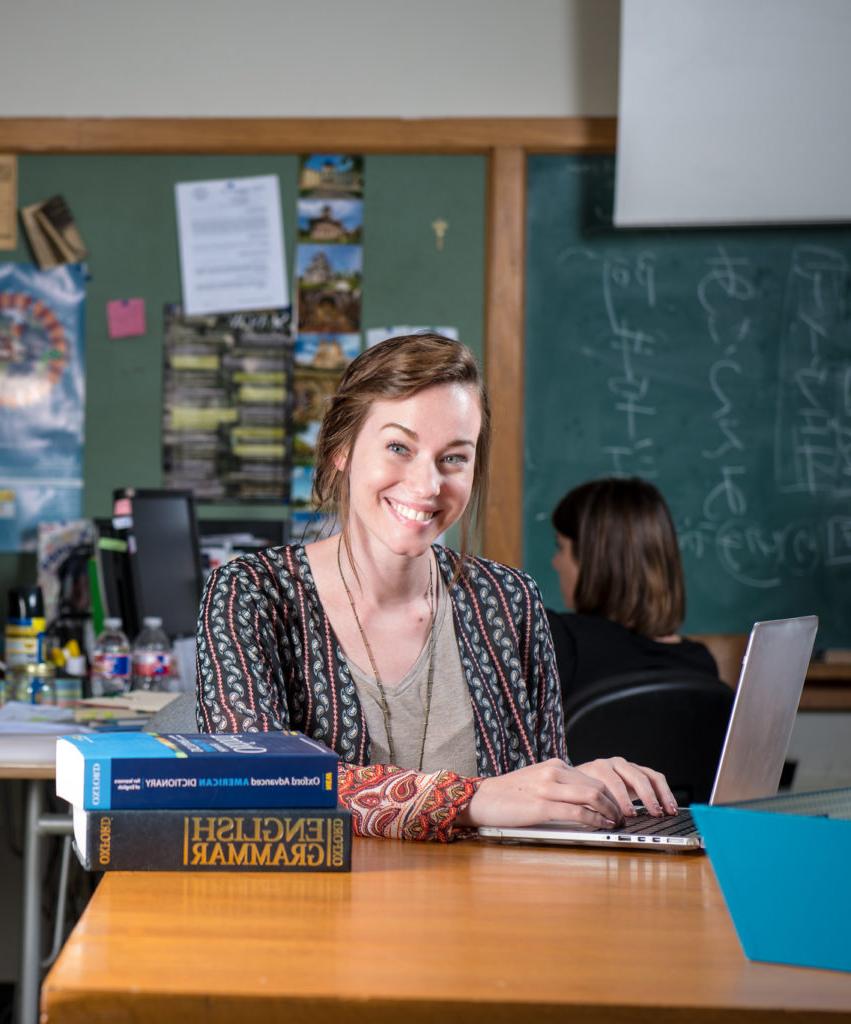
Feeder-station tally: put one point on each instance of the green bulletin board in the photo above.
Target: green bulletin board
(124, 206)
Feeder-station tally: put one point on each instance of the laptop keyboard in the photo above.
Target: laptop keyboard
(681, 824)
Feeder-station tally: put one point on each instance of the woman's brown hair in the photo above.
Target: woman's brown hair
(625, 545)
(397, 368)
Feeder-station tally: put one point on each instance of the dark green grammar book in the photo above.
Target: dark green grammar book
(214, 840)
(136, 770)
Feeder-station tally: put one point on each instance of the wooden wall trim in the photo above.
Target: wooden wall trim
(504, 352)
(306, 135)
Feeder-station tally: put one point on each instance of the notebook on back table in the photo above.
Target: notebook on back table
(767, 697)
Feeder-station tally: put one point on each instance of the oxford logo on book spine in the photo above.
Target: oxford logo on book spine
(104, 840)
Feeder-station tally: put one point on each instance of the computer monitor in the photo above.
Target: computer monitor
(165, 557)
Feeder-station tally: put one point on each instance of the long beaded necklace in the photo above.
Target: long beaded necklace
(385, 707)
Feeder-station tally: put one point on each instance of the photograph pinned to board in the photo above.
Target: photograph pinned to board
(231, 244)
(52, 233)
(329, 288)
(313, 389)
(376, 334)
(305, 437)
(42, 399)
(327, 351)
(301, 489)
(331, 176)
(320, 360)
(330, 221)
(228, 393)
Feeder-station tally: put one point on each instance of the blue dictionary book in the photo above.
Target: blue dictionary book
(113, 771)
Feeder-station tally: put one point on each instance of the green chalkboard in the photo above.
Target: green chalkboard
(715, 363)
(124, 206)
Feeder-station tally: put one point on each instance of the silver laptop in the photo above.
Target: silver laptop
(767, 697)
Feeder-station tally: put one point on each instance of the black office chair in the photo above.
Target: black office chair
(671, 721)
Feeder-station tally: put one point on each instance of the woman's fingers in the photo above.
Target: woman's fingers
(650, 784)
(618, 788)
(548, 791)
(625, 779)
(578, 789)
(647, 784)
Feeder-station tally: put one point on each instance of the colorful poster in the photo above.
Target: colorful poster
(227, 405)
(42, 399)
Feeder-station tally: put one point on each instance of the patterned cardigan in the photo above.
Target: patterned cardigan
(268, 659)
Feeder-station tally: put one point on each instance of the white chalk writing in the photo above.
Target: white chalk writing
(813, 425)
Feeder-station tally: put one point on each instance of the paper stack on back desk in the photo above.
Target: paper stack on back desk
(782, 863)
(146, 702)
(128, 710)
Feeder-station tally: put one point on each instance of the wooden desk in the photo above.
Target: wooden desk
(424, 933)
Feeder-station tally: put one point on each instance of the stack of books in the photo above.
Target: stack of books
(178, 802)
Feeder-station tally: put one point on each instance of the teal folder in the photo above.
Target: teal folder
(784, 867)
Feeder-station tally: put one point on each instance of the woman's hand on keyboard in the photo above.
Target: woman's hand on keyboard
(627, 781)
(538, 793)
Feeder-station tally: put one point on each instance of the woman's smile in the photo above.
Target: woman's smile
(409, 513)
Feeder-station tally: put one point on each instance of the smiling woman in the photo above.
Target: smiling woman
(431, 672)
(435, 378)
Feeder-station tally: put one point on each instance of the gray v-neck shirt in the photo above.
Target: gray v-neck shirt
(450, 738)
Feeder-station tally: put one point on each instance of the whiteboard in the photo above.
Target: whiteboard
(734, 112)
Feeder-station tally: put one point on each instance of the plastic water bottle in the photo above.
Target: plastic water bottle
(111, 661)
(153, 659)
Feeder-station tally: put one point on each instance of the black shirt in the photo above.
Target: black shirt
(589, 647)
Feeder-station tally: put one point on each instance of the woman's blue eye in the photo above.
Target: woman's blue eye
(453, 459)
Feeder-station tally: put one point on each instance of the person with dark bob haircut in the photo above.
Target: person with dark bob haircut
(431, 672)
(619, 569)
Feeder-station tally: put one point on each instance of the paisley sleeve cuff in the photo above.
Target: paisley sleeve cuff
(400, 803)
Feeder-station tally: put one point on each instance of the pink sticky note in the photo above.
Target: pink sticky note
(125, 318)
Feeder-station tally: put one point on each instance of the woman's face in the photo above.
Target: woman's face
(411, 467)
(566, 567)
